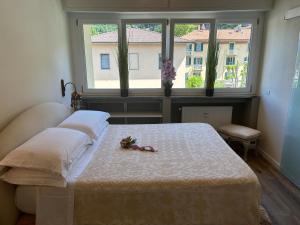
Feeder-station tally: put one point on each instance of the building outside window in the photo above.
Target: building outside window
(105, 64)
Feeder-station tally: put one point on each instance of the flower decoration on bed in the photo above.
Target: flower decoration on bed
(129, 143)
(168, 74)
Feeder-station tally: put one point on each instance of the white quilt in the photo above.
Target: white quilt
(194, 178)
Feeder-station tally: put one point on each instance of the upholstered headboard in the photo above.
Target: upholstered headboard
(18, 131)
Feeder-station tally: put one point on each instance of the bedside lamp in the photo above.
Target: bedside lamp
(75, 96)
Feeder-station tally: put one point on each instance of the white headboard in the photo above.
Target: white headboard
(18, 131)
(31, 122)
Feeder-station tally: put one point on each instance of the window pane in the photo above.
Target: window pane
(101, 45)
(190, 53)
(144, 48)
(233, 40)
(105, 62)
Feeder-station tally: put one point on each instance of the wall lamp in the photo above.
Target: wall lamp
(75, 96)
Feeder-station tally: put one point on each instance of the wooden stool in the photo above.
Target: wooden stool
(247, 136)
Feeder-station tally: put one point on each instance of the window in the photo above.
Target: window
(198, 61)
(189, 47)
(232, 69)
(100, 47)
(105, 65)
(199, 47)
(150, 41)
(188, 61)
(184, 35)
(231, 46)
(133, 61)
(144, 44)
(230, 61)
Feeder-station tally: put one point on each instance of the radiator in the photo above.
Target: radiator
(214, 115)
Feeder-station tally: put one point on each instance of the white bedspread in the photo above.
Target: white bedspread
(194, 178)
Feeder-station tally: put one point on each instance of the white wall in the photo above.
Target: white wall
(34, 54)
(278, 68)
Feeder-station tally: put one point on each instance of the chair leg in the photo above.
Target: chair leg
(246, 149)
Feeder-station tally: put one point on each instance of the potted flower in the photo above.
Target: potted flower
(168, 75)
(211, 71)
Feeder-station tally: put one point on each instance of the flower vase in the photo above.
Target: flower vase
(168, 92)
(124, 92)
(209, 92)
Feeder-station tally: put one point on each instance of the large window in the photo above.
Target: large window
(144, 44)
(150, 41)
(234, 40)
(101, 40)
(187, 35)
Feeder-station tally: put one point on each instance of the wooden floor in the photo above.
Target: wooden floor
(280, 197)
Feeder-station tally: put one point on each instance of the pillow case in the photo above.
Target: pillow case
(21, 176)
(53, 150)
(90, 122)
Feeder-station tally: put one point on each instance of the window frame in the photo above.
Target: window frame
(163, 22)
(254, 45)
(77, 20)
(212, 34)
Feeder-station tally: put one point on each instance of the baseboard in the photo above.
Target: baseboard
(269, 158)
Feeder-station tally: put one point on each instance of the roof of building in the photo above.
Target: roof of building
(135, 36)
(223, 35)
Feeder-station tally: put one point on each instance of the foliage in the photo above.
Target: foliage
(180, 29)
(183, 29)
(211, 65)
(244, 73)
(146, 26)
(103, 28)
(194, 81)
(123, 64)
(219, 84)
(237, 74)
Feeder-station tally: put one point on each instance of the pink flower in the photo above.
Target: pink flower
(168, 71)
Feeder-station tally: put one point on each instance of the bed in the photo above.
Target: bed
(193, 178)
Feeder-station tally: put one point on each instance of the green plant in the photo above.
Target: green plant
(194, 82)
(219, 84)
(211, 65)
(123, 64)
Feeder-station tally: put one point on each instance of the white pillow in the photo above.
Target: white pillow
(21, 176)
(90, 122)
(53, 150)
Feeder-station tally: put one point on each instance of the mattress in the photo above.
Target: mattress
(193, 178)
